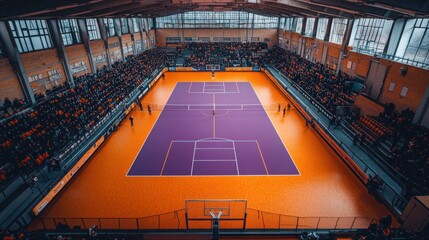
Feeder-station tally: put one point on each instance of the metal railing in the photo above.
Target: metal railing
(392, 57)
(391, 196)
(176, 220)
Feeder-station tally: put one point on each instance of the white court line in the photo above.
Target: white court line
(278, 135)
(216, 160)
(190, 86)
(236, 160)
(238, 89)
(195, 141)
(193, 159)
(214, 148)
(147, 137)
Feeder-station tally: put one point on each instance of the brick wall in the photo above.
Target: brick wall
(127, 44)
(39, 63)
(78, 59)
(114, 49)
(9, 83)
(99, 53)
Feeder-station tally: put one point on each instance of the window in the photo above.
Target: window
(254, 39)
(30, 35)
(188, 39)
(264, 22)
(150, 23)
(414, 44)
(370, 35)
(110, 27)
(309, 26)
(298, 28)
(69, 31)
(78, 67)
(92, 27)
(136, 23)
(321, 28)
(173, 39)
(124, 26)
(282, 23)
(207, 19)
(339, 26)
(35, 78)
(203, 39)
(288, 24)
(54, 75)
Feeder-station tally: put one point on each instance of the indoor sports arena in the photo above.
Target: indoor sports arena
(214, 119)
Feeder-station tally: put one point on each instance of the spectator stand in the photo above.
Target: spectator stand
(16, 213)
(391, 190)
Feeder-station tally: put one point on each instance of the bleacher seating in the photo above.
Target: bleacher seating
(62, 118)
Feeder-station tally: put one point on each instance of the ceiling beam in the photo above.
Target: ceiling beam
(357, 9)
(15, 8)
(80, 10)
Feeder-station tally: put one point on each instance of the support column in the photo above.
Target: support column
(141, 29)
(11, 52)
(86, 42)
(301, 47)
(103, 34)
(118, 29)
(293, 27)
(328, 30)
(304, 26)
(395, 36)
(131, 31)
(346, 40)
(57, 40)
(147, 29)
(326, 41)
(316, 25)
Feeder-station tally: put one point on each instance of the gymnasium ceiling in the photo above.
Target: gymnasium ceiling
(390, 9)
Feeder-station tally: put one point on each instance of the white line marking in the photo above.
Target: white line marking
(215, 148)
(216, 160)
(236, 160)
(296, 166)
(193, 159)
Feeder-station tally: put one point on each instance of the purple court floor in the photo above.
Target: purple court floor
(213, 128)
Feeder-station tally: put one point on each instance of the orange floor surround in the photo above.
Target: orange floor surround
(325, 187)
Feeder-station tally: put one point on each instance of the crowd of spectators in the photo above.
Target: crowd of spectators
(411, 159)
(61, 118)
(8, 107)
(226, 54)
(315, 79)
(409, 152)
(28, 140)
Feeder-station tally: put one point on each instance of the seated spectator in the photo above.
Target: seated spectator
(60, 119)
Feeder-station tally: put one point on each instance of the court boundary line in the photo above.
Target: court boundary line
(260, 104)
(216, 160)
(281, 140)
(204, 92)
(144, 142)
(214, 139)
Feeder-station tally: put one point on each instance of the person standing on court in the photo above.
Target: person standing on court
(213, 74)
(149, 109)
(278, 108)
(131, 121)
(284, 111)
